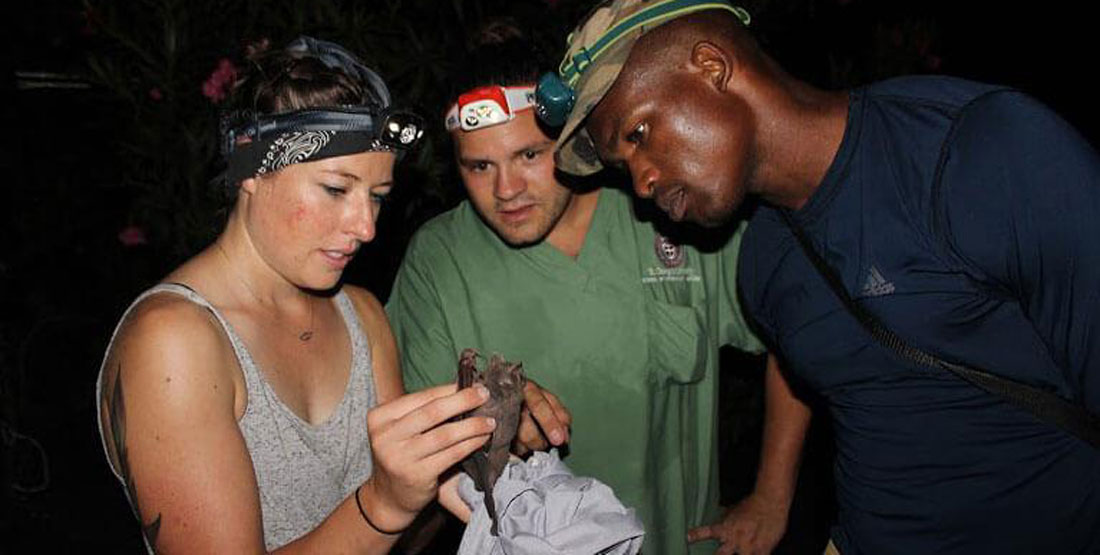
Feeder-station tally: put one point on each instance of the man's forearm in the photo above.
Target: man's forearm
(786, 419)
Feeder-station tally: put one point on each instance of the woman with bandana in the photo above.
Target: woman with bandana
(251, 401)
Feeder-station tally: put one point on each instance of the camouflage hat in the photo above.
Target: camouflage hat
(597, 50)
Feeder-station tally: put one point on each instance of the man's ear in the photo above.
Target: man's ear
(715, 63)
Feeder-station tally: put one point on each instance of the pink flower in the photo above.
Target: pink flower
(216, 86)
(132, 236)
(155, 94)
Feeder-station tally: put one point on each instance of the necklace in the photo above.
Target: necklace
(306, 334)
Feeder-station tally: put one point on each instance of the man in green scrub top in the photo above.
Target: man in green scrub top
(620, 322)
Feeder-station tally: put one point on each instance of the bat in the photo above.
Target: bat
(505, 382)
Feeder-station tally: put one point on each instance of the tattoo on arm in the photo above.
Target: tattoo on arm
(117, 410)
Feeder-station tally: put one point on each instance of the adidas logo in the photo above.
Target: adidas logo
(876, 285)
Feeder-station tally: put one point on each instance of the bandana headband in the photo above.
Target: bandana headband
(271, 155)
(268, 144)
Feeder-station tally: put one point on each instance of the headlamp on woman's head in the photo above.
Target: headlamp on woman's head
(394, 128)
(487, 106)
(257, 145)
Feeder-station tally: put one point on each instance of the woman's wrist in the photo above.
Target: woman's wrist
(381, 516)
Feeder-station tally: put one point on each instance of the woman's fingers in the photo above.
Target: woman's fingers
(426, 430)
(414, 441)
(417, 462)
(424, 412)
(454, 454)
(399, 407)
(444, 437)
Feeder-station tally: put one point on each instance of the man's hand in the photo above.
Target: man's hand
(544, 421)
(752, 527)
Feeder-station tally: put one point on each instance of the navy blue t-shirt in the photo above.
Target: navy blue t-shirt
(967, 218)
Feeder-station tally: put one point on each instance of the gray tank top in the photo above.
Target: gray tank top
(303, 471)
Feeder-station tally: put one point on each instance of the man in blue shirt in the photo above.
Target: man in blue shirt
(964, 216)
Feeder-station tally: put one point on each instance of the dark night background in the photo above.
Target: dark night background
(110, 149)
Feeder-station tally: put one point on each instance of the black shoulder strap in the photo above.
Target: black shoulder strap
(1044, 405)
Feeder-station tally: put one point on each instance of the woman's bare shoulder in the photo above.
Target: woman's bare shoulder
(168, 418)
(165, 337)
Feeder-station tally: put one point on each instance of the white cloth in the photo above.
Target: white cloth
(543, 509)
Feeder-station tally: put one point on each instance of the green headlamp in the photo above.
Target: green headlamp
(554, 98)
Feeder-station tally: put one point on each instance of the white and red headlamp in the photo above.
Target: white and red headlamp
(488, 106)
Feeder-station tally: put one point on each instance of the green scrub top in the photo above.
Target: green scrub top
(626, 335)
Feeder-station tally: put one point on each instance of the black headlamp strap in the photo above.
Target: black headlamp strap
(256, 146)
(315, 120)
(1044, 405)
